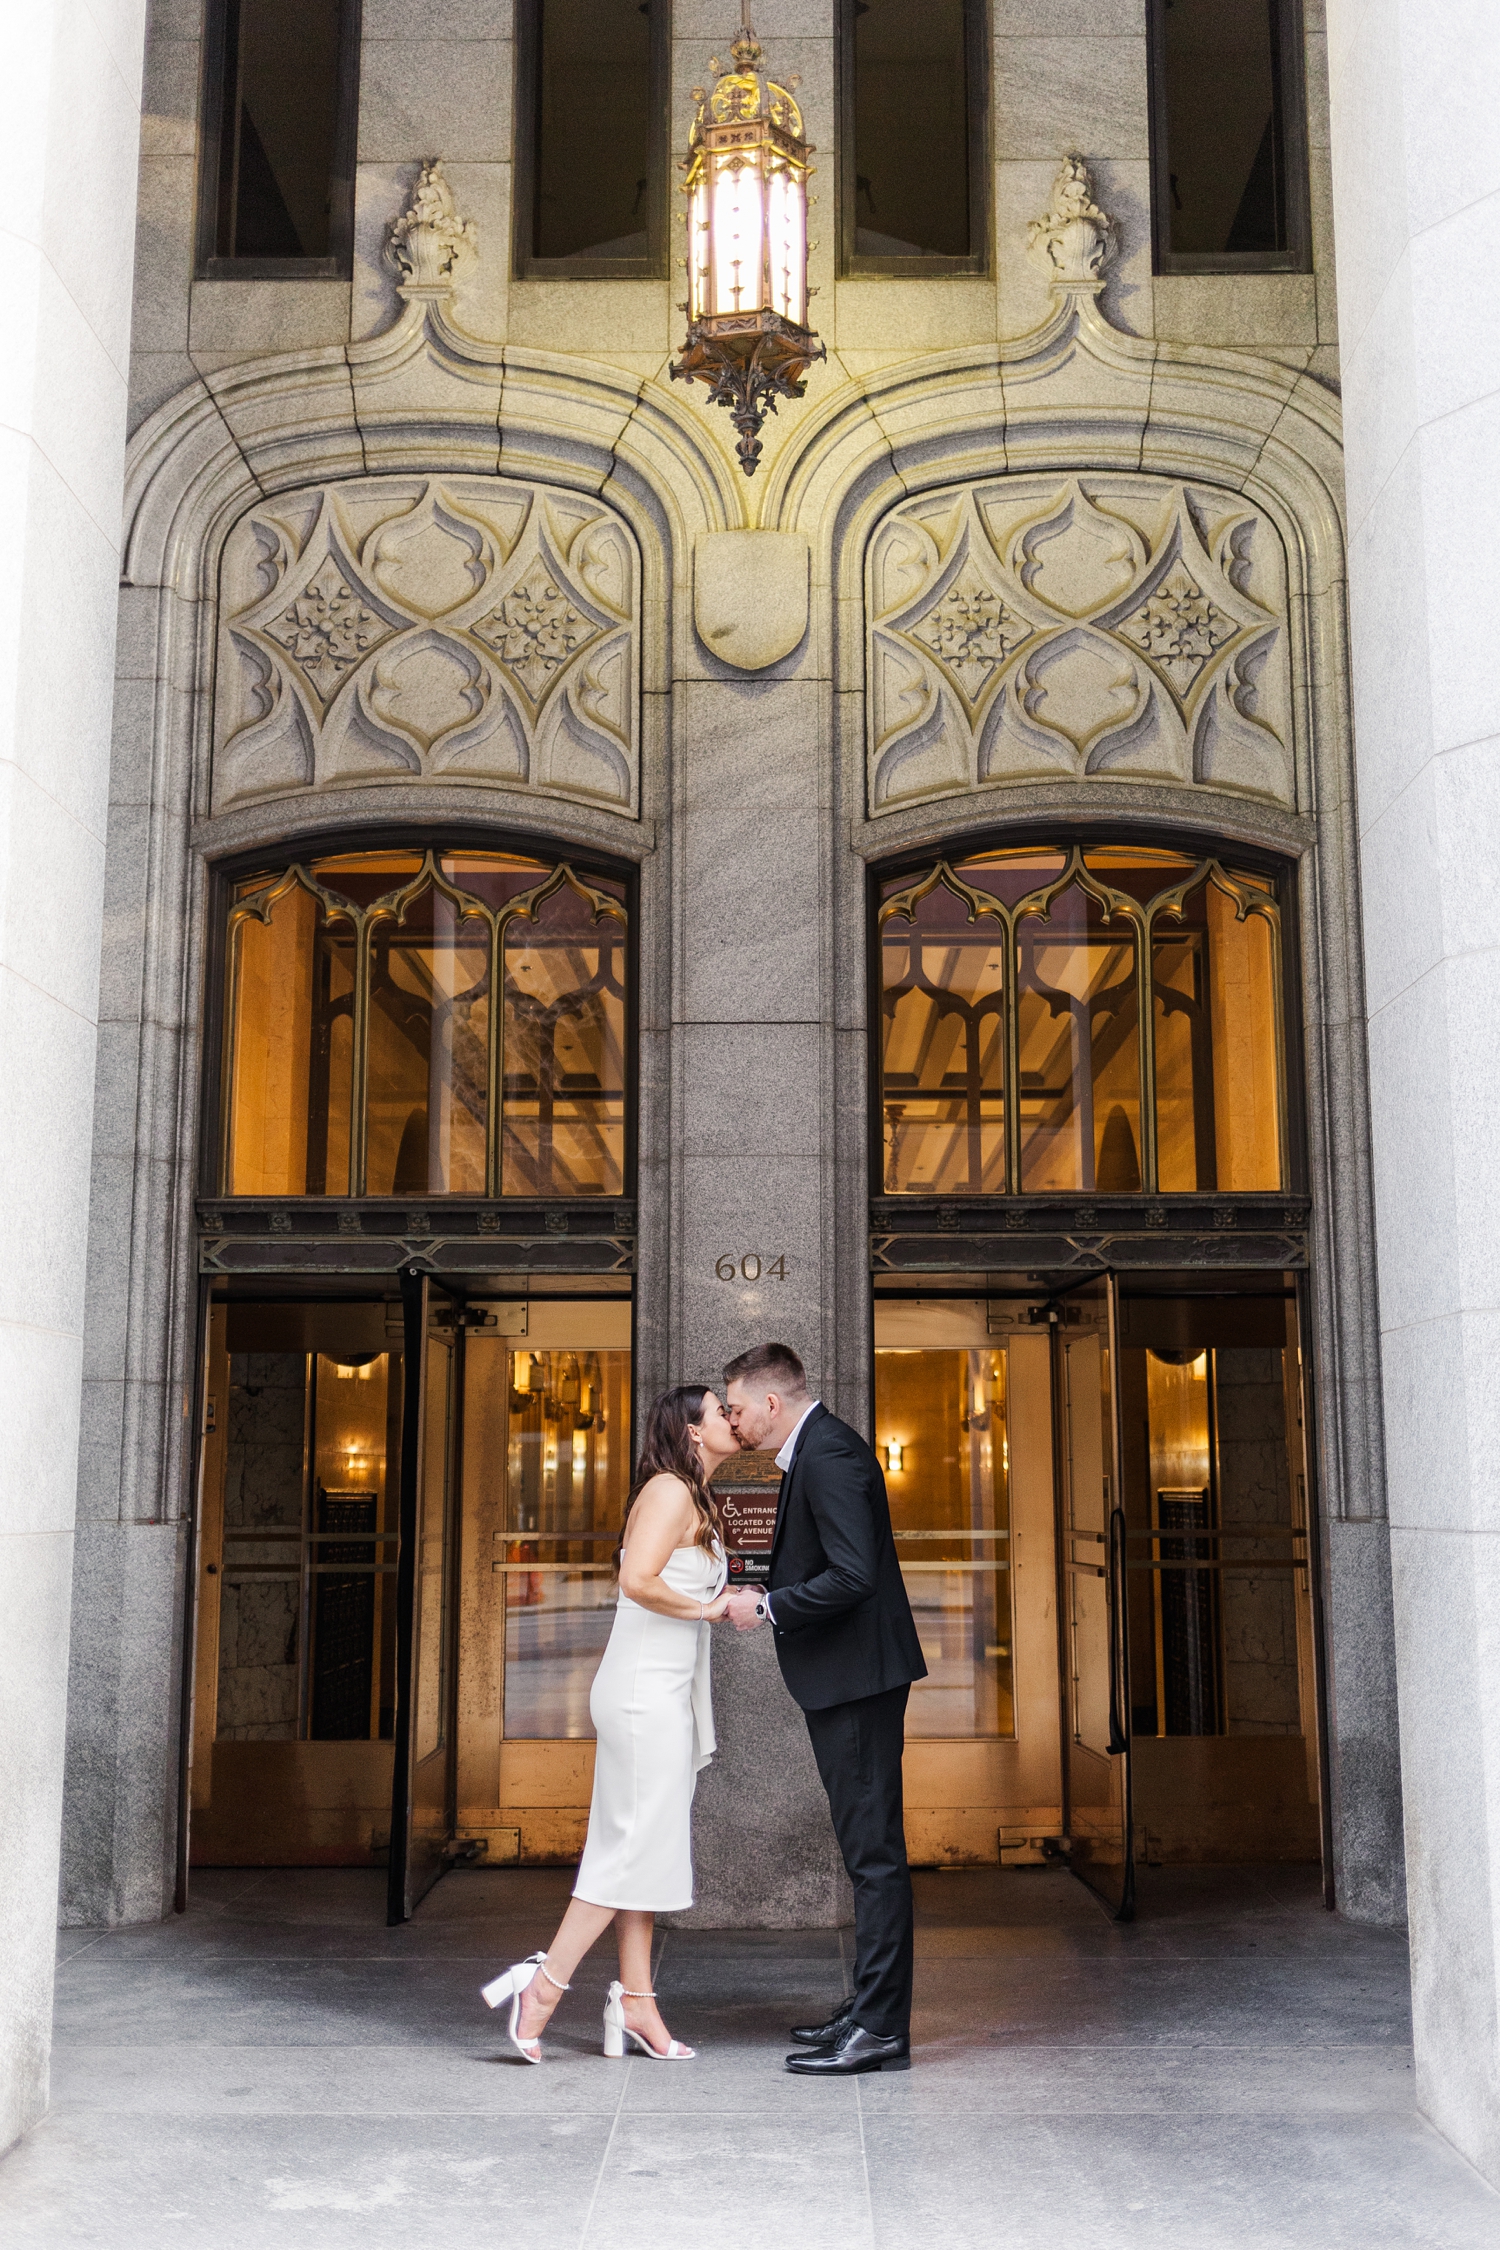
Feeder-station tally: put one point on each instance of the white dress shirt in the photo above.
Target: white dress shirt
(784, 1460)
(784, 1457)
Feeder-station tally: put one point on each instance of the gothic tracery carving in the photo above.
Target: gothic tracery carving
(462, 627)
(1037, 626)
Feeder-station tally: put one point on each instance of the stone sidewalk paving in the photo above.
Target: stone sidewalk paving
(277, 2069)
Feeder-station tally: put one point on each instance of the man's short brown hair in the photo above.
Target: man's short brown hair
(771, 1367)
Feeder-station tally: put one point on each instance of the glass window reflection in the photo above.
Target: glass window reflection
(360, 1035)
(941, 1426)
(1020, 1054)
(567, 1471)
(1080, 1051)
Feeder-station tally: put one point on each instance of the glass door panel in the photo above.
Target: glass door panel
(1223, 1682)
(294, 1683)
(567, 1465)
(1097, 1768)
(941, 1434)
(963, 1425)
(546, 1460)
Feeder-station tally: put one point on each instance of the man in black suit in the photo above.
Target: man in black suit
(848, 1651)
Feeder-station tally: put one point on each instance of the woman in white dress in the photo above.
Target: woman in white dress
(653, 1716)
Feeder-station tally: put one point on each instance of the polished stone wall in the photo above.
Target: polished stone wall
(70, 115)
(1417, 175)
(758, 780)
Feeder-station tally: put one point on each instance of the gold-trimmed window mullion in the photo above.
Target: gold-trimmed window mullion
(359, 1072)
(392, 908)
(1010, 1092)
(1145, 993)
(495, 1135)
(527, 903)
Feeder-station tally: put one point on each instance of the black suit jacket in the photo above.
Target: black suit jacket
(843, 1624)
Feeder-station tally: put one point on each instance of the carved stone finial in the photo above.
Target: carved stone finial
(427, 241)
(1075, 240)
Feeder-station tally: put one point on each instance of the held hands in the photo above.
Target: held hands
(716, 1609)
(740, 1606)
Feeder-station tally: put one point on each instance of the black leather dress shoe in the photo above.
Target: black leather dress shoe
(854, 2050)
(823, 2034)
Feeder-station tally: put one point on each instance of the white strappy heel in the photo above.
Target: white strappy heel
(510, 1987)
(617, 2031)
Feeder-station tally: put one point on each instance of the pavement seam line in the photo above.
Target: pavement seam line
(588, 2217)
(864, 2160)
(614, 2123)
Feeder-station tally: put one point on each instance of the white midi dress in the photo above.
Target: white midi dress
(652, 1708)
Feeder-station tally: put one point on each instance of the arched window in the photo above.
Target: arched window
(1059, 1018)
(364, 1050)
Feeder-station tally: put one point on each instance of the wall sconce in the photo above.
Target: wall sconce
(580, 1452)
(895, 1456)
(747, 173)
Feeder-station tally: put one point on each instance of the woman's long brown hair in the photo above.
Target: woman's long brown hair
(667, 1449)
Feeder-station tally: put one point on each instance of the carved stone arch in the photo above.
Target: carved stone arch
(422, 403)
(433, 409)
(1076, 397)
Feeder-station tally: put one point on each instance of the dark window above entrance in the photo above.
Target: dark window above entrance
(591, 153)
(418, 1023)
(1228, 136)
(277, 188)
(1059, 1019)
(912, 136)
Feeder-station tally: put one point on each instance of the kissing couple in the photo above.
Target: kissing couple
(848, 1650)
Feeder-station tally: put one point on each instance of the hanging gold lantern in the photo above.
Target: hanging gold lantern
(746, 187)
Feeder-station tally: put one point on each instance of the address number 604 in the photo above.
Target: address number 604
(750, 1268)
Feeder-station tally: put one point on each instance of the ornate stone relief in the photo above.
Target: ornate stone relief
(426, 243)
(1073, 239)
(461, 627)
(1042, 626)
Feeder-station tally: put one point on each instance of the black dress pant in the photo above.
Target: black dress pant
(858, 1748)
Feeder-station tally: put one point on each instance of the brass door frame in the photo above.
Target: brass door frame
(413, 1866)
(1111, 1573)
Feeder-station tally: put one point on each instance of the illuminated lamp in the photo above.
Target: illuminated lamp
(746, 187)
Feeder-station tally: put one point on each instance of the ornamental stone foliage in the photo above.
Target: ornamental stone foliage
(425, 245)
(1038, 627)
(466, 628)
(1074, 239)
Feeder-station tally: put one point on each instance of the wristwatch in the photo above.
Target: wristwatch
(760, 1607)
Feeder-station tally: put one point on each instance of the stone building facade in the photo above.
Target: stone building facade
(437, 548)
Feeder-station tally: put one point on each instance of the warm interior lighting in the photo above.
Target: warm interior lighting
(895, 1456)
(746, 187)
